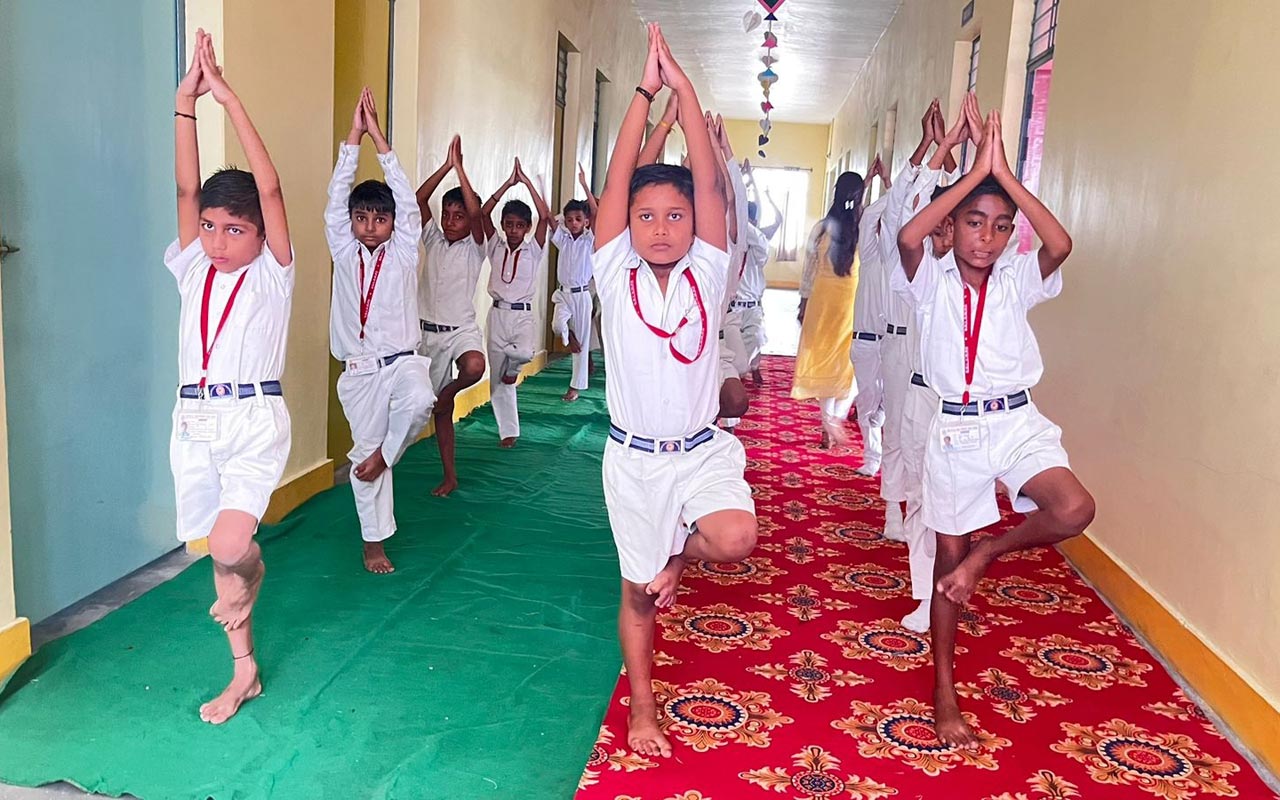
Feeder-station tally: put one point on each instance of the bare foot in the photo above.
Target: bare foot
(508, 442)
(244, 687)
(959, 584)
(825, 444)
(236, 596)
(574, 345)
(510, 380)
(665, 586)
(446, 487)
(757, 377)
(644, 736)
(371, 467)
(570, 395)
(375, 559)
(949, 724)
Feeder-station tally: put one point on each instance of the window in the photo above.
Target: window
(562, 75)
(1035, 107)
(967, 152)
(789, 189)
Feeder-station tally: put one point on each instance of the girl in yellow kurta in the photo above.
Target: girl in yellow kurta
(823, 367)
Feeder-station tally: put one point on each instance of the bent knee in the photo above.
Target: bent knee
(1077, 511)
(734, 536)
(470, 367)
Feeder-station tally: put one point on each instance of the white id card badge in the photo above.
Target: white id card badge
(961, 438)
(198, 426)
(362, 366)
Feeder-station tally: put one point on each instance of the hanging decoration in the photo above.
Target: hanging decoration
(768, 77)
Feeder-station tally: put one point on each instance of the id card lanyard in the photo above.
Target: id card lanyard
(207, 345)
(972, 329)
(366, 299)
(670, 335)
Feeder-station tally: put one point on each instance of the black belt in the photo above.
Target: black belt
(918, 380)
(219, 391)
(386, 361)
(990, 405)
(513, 306)
(896, 330)
(431, 327)
(863, 336)
(578, 289)
(744, 303)
(663, 446)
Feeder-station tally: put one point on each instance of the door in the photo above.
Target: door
(89, 312)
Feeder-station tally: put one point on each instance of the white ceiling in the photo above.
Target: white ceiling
(821, 46)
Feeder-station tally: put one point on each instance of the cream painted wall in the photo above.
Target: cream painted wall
(499, 93)
(1175, 432)
(790, 145)
(1164, 349)
(279, 58)
(8, 609)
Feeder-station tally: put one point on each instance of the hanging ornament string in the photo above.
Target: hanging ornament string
(769, 76)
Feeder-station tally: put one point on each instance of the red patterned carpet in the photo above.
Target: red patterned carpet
(788, 676)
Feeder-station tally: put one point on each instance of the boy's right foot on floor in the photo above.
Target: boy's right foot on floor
(570, 395)
(644, 736)
(757, 377)
(371, 467)
(445, 488)
(949, 724)
(375, 559)
(507, 443)
(244, 687)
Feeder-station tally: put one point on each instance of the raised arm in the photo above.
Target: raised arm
(408, 217)
(545, 217)
(186, 164)
(337, 219)
(469, 196)
(611, 221)
(928, 134)
(944, 157)
(486, 211)
(708, 204)
(1055, 242)
(429, 186)
(275, 221)
(592, 202)
(657, 141)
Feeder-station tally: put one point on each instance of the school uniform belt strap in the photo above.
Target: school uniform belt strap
(385, 361)
(896, 330)
(218, 391)
(918, 380)
(662, 446)
(864, 336)
(987, 406)
(431, 327)
(744, 303)
(578, 289)
(512, 306)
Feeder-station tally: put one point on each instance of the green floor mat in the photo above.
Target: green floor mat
(480, 669)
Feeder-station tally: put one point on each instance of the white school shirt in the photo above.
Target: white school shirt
(392, 326)
(450, 272)
(574, 266)
(869, 300)
(753, 282)
(251, 347)
(1008, 355)
(651, 394)
(513, 274)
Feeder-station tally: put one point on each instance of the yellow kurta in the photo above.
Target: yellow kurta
(823, 366)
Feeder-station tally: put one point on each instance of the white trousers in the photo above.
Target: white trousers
(751, 322)
(922, 544)
(572, 312)
(839, 407)
(895, 371)
(870, 400)
(733, 346)
(510, 336)
(386, 410)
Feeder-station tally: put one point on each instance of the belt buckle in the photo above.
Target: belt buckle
(669, 446)
(217, 391)
(995, 404)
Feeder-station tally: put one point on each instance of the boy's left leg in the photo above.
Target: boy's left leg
(470, 366)
(948, 722)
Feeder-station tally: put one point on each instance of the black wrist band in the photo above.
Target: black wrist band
(180, 114)
(648, 95)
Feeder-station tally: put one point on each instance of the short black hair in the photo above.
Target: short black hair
(236, 191)
(577, 205)
(753, 210)
(374, 196)
(453, 197)
(518, 208)
(939, 191)
(989, 186)
(663, 175)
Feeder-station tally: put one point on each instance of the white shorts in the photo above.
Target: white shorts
(653, 499)
(236, 472)
(445, 348)
(1013, 447)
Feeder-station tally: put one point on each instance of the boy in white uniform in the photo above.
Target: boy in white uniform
(668, 472)
(234, 265)
(868, 326)
(515, 270)
(385, 388)
(446, 299)
(748, 302)
(980, 355)
(576, 242)
(734, 357)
